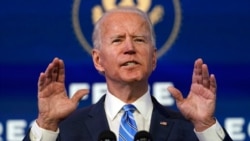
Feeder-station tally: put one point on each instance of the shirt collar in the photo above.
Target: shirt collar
(113, 105)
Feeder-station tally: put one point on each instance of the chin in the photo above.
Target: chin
(133, 79)
(134, 76)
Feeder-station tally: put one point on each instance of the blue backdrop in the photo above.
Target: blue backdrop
(32, 33)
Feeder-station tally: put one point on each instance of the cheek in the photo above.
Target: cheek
(108, 59)
(151, 59)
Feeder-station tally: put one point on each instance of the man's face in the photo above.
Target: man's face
(126, 53)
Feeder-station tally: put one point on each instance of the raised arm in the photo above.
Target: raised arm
(199, 106)
(53, 102)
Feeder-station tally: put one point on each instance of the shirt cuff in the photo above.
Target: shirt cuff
(213, 133)
(40, 134)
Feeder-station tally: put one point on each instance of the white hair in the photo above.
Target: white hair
(96, 37)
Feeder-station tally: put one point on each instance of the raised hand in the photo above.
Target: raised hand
(199, 106)
(53, 102)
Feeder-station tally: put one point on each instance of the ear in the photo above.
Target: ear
(97, 60)
(154, 59)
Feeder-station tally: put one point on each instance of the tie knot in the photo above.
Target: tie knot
(129, 107)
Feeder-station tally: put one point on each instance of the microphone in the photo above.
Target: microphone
(107, 135)
(143, 136)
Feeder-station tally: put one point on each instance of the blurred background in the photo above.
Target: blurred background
(32, 33)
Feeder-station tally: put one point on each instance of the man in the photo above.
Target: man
(125, 53)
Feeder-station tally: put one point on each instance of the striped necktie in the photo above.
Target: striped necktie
(128, 127)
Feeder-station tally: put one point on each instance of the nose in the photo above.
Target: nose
(129, 47)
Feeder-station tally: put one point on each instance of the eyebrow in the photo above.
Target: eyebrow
(143, 36)
(117, 36)
(133, 36)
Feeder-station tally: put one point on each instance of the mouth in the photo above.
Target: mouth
(130, 63)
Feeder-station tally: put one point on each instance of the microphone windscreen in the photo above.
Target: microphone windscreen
(107, 135)
(143, 136)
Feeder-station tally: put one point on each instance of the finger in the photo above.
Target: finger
(61, 71)
(197, 72)
(47, 74)
(50, 71)
(79, 94)
(42, 86)
(205, 76)
(199, 90)
(54, 71)
(213, 84)
(176, 94)
(41, 81)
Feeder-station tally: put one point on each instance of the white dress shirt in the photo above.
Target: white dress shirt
(143, 113)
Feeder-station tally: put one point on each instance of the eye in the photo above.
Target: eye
(140, 40)
(116, 40)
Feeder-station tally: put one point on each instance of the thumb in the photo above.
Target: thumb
(79, 94)
(175, 93)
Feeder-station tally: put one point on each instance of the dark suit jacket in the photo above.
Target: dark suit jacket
(87, 123)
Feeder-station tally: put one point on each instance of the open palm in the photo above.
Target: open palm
(199, 106)
(53, 102)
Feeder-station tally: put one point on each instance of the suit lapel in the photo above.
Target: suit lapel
(160, 128)
(161, 124)
(97, 121)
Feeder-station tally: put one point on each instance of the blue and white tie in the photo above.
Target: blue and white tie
(128, 126)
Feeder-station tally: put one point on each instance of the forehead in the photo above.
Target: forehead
(125, 21)
(123, 14)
